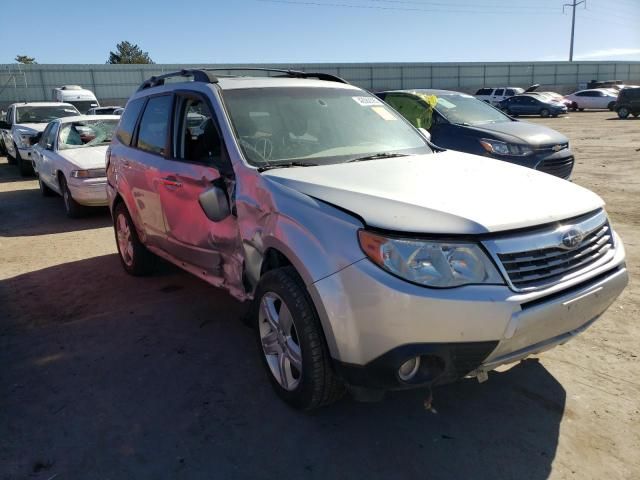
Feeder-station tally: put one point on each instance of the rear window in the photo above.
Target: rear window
(154, 125)
(128, 120)
(510, 92)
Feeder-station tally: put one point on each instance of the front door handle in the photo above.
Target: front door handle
(170, 182)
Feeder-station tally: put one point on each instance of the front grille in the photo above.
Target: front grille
(560, 167)
(546, 266)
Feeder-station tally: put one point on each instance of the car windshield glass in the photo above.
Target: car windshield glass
(465, 109)
(317, 125)
(86, 133)
(30, 114)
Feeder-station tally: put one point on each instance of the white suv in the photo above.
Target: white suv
(22, 121)
(371, 259)
(495, 95)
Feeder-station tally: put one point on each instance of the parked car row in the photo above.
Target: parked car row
(372, 259)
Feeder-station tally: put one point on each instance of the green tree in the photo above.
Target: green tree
(127, 52)
(25, 59)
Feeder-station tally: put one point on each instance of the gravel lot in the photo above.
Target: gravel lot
(104, 376)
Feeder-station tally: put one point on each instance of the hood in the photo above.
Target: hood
(443, 193)
(522, 132)
(87, 157)
(31, 127)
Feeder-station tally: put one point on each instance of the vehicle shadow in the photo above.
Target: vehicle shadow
(25, 212)
(111, 376)
(630, 117)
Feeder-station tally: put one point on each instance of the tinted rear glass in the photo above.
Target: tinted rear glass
(128, 120)
(154, 125)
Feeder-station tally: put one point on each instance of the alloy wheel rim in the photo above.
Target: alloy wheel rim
(280, 343)
(125, 245)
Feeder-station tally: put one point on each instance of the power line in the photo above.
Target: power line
(401, 9)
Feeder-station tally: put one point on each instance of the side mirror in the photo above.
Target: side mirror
(215, 204)
(4, 125)
(425, 133)
(34, 139)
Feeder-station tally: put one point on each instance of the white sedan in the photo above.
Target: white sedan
(69, 159)
(595, 98)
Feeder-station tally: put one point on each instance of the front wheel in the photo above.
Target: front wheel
(45, 191)
(24, 167)
(623, 112)
(71, 207)
(292, 344)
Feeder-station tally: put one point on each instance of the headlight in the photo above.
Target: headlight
(91, 173)
(430, 263)
(503, 148)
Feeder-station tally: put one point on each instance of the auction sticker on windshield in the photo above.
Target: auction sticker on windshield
(367, 101)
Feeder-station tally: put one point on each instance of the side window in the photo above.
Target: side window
(510, 92)
(484, 91)
(154, 125)
(128, 120)
(499, 92)
(581, 94)
(10, 116)
(196, 135)
(50, 137)
(599, 94)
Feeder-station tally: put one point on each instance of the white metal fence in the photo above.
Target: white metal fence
(115, 83)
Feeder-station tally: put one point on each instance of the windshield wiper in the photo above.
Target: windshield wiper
(271, 166)
(377, 156)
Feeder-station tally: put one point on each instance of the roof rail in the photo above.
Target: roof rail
(197, 75)
(205, 75)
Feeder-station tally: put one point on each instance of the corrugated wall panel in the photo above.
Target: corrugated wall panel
(118, 82)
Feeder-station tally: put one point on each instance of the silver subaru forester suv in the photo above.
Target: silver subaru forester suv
(371, 259)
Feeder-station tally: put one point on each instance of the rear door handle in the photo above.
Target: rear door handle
(171, 182)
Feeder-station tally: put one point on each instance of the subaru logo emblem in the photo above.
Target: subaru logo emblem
(572, 238)
(556, 148)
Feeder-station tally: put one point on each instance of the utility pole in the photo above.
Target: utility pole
(573, 22)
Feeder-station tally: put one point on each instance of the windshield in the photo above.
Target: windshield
(317, 125)
(467, 110)
(43, 114)
(85, 133)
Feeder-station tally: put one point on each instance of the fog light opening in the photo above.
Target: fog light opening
(409, 369)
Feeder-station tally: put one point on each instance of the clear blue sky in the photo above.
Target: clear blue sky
(289, 31)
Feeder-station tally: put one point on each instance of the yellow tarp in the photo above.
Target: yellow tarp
(420, 114)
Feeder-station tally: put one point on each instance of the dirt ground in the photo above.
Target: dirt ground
(104, 376)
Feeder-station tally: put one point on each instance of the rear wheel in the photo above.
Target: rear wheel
(134, 256)
(73, 208)
(292, 343)
(623, 112)
(544, 112)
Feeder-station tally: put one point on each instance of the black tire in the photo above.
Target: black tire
(24, 167)
(544, 112)
(623, 112)
(139, 261)
(574, 107)
(71, 207)
(44, 190)
(611, 106)
(635, 115)
(581, 109)
(317, 383)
